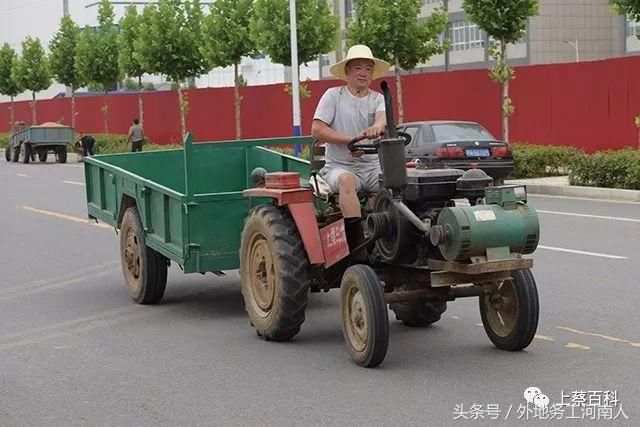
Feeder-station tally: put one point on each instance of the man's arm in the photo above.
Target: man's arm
(129, 135)
(321, 131)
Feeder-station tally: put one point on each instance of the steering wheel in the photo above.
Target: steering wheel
(372, 147)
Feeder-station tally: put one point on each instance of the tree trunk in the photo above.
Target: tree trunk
(399, 89)
(105, 112)
(12, 117)
(505, 92)
(183, 124)
(33, 109)
(73, 107)
(237, 99)
(140, 109)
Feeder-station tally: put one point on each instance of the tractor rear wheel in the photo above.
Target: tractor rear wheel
(274, 270)
(145, 270)
(418, 314)
(26, 151)
(7, 153)
(365, 320)
(510, 315)
(16, 154)
(61, 154)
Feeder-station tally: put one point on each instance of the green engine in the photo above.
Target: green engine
(504, 225)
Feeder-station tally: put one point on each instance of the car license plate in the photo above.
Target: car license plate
(478, 152)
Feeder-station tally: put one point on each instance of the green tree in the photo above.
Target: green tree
(170, 43)
(395, 34)
(317, 30)
(505, 22)
(62, 59)
(631, 8)
(8, 83)
(32, 71)
(129, 63)
(227, 39)
(97, 55)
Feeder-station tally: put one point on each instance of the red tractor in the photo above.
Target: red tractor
(433, 235)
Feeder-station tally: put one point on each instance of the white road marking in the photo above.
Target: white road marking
(574, 251)
(586, 199)
(613, 218)
(74, 183)
(23, 175)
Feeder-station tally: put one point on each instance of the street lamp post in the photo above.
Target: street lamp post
(295, 78)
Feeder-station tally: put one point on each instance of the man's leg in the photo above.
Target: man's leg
(348, 195)
(371, 183)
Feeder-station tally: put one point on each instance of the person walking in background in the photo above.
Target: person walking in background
(136, 136)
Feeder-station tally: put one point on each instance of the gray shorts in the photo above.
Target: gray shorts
(366, 179)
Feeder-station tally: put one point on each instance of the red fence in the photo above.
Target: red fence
(590, 105)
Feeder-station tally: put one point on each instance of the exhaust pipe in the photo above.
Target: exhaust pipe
(392, 153)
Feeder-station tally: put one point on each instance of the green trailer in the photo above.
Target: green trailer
(190, 202)
(39, 141)
(430, 237)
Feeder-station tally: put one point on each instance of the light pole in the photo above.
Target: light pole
(574, 44)
(295, 79)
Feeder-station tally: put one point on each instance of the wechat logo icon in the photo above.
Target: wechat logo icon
(534, 395)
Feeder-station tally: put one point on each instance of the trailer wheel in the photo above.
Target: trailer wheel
(16, 154)
(274, 270)
(42, 155)
(7, 153)
(26, 148)
(417, 314)
(61, 154)
(365, 320)
(145, 270)
(510, 316)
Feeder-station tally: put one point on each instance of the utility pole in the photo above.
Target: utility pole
(65, 12)
(295, 78)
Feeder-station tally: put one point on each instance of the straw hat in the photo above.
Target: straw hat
(359, 51)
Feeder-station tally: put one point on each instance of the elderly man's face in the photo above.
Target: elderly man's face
(359, 73)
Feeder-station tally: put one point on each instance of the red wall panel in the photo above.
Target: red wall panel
(589, 105)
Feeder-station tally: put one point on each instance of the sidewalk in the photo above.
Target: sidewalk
(559, 186)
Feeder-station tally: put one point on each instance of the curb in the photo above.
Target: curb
(585, 192)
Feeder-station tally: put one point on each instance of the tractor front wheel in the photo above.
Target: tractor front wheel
(365, 320)
(145, 270)
(274, 270)
(510, 315)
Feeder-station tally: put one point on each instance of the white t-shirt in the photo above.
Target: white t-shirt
(349, 115)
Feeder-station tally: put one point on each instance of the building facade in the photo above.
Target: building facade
(564, 31)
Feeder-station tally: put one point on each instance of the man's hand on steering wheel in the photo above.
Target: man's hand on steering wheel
(373, 132)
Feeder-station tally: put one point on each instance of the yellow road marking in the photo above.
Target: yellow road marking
(65, 216)
(606, 337)
(454, 317)
(543, 337)
(577, 346)
(479, 324)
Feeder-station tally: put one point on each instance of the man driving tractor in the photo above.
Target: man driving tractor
(343, 113)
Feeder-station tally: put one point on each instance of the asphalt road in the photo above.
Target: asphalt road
(74, 349)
